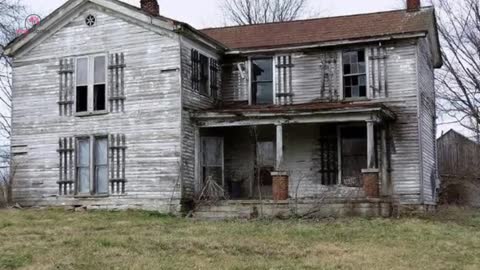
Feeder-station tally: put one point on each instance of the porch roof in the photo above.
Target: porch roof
(318, 112)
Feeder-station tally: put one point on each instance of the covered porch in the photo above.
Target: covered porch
(324, 151)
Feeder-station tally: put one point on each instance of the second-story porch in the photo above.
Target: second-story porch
(324, 149)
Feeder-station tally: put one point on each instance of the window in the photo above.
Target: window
(354, 74)
(91, 84)
(204, 74)
(92, 166)
(262, 81)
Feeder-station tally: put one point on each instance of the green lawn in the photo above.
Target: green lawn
(58, 239)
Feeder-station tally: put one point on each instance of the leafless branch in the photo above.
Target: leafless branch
(247, 12)
(458, 83)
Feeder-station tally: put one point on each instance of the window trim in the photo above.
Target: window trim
(342, 75)
(251, 82)
(92, 175)
(91, 85)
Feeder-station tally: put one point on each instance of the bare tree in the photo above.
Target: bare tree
(12, 16)
(458, 83)
(246, 12)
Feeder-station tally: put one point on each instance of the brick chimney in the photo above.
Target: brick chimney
(150, 6)
(413, 5)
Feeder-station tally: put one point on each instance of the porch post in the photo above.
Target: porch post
(370, 176)
(279, 157)
(370, 145)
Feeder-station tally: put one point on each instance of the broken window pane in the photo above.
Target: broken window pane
(82, 99)
(83, 166)
(82, 71)
(101, 165)
(99, 99)
(354, 74)
(99, 73)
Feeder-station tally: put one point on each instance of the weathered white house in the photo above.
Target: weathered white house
(119, 107)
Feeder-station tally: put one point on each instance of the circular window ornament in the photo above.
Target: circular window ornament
(90, 20)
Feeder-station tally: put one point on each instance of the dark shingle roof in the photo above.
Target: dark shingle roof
(274, 35)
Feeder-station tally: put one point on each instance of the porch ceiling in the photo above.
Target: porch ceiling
(320, 112)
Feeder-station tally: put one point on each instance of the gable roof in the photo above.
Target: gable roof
(65, 12)
(322, 30)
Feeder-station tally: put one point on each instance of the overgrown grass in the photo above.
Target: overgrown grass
(56, 239)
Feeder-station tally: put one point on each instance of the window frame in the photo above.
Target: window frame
(366, 74)
(252, 97)
(92, 165)
(91, 85)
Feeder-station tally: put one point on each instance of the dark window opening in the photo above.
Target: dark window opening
(99, 99)
(262, 81)
(82, 98)
(354, 74)
(204, 69)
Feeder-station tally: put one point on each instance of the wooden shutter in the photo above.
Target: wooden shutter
(117, 149)
(66, 151)
(195, 63)
(116, 82)
(214, 81)
(66, 85)
(284, 79)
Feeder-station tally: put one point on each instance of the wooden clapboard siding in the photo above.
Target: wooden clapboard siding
(427, 117)
(151, 121)
(393, 73)
(192, 100)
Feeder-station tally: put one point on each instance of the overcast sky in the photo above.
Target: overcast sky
(206, 13)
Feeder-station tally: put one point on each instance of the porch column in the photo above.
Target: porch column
(279, 157)
(371, 145)
(370, 176)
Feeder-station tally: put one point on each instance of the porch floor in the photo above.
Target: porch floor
(307, 208)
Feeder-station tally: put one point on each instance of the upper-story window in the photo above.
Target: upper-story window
(262, 81)
(91, 84)
(354, 74)
(204, 74)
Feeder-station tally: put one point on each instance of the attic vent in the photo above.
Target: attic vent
(90, 20)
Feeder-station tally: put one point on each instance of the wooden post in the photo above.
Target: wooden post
(370, 145)
(279, 158)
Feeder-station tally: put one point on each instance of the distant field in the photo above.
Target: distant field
(57, 239)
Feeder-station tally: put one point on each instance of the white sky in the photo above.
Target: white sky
(206, 13)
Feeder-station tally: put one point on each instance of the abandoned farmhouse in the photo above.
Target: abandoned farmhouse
(119, 107)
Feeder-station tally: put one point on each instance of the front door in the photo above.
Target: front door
(212, 160)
